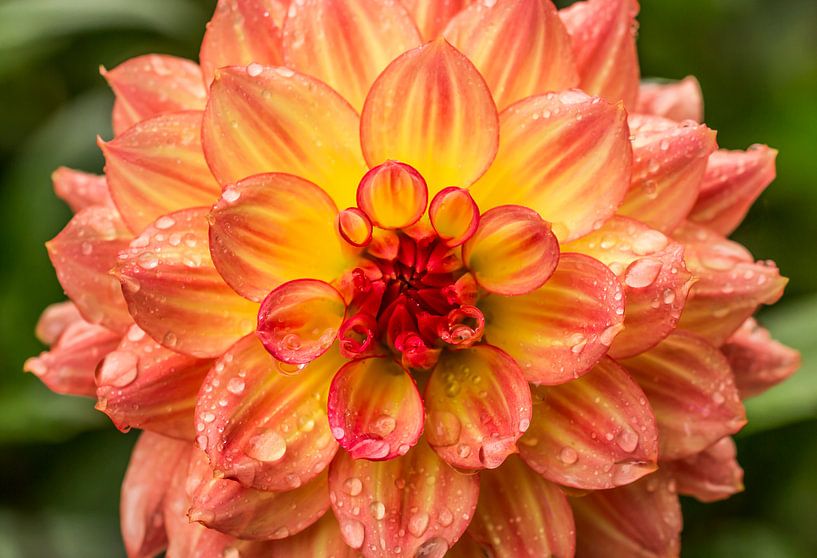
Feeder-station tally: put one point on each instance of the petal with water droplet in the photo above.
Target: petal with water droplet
(710, 475)
(79, 189)
(432, 16)
(676, 100)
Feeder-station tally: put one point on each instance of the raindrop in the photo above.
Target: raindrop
(268, 446)
(383, 425)
(353, 486)
(418, 523)
(627, 439)
(352, 531)
(568, 455)
(119, 369)
(235, 386)
(378, 510)
(642, 273)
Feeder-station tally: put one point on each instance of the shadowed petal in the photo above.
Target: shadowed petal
(676, 100)
(711, 475)
(80, 189)
(432, 16)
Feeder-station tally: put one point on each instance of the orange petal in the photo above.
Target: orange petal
(69, 366)
(559, 331)
(355, 227)
(242, 32)
(83, 254)
(432, 16)
(415, 503)
(669, 160)
(323, 538)
(730, 284)
(347, 43)
(596, 432)
(149, 85)
(79, 189)
(512, 252)
(521, 47)
(478, 405)
(175, 293)
(555, 151)
(652, 271)
(261, 425)
(732, 183)
(157, 167)
(393, 195)
(692, 392)
(144, 385)
(54, 320)
(603, 35)
(432, 110)
(676, 100)
(247, 513)
(711, 475)
(454, 215)
(758, 361)
(299, 320)
(375, 410)
(640, 519)
(153, 462)
(520, 514)
(275, 120)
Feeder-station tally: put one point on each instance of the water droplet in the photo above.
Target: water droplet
(568, 455)
(353, 486)
(119, 369)
(627, 439)
(378, 510)
(446, 517)
(444, 428)
(165, 222)
(254, 70)
(268, 446)
(235, 386)
(418, 523)
(231, 195)
(338, 433)
(353, 533)
(383, 425)
(642, 273)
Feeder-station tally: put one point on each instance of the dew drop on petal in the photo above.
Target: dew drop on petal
(378, 510)
(119, 369)
(642, 273)
(267, 446)
(627, 439)
(418, 523)
(352, 531)
(353, 486)
(568, 455)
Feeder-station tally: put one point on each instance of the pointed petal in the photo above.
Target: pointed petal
(149, 85)
(415, 503)
(652, 272)
(454, 215)
(732, 183)
(144, 385)
(393, 195)
(641, 519)
(175, 293)
(243, 32)
(512, 252)
(157, 167)
(520, 47)
(153, 462)
(80, 189)
(758, 361)
(432, 110)
(596, 432)
(692, 392)
(730, 284)
(347, 43)
(54, 320)
(669, 160)
(603, 35)
(676, 100)
(375, 410)
(274, 120)
(247, 513)
(559, 331)
(711, 475)
(432, 16)
(261, 425)
(83, 255)
(520, 514)
(555, 151)
(478, 405)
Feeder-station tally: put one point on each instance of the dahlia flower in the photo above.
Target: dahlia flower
(414, 278)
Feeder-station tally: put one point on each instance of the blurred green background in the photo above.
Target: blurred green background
(61, 462)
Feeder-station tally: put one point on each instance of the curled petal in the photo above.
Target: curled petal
(639, 519)
(347, 43)
(454, 215)
(174, 292)
(669, 160)
(79, 189)
(260, 424)
(355, 227)
(248, 513)
(556, 149)
(83, 255)
(652, 272)
(692, 392)
(478, 405)
(144, 385)
(375, 410)
(676, 100)
(263, 119)
(758, 361)
(595, 433)
(732, 183)
(431, 109)
(512, 252)
(521, 47)
(54, 320)
(149, 85)
(711, 475)
(416, 503)
(242, 32)
(603, 36)
(432, 16)
(559, 331)
(157, 167)
(730, 284)
(393, 195)
(545, 525)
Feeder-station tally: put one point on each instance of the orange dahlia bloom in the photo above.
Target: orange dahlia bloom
(426, 278)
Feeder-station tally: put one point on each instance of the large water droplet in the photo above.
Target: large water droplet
(568, 455)
(642, 273)
(267, 446)
(353, 533)
(627, 439)
(418, 523)
(119, 369)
